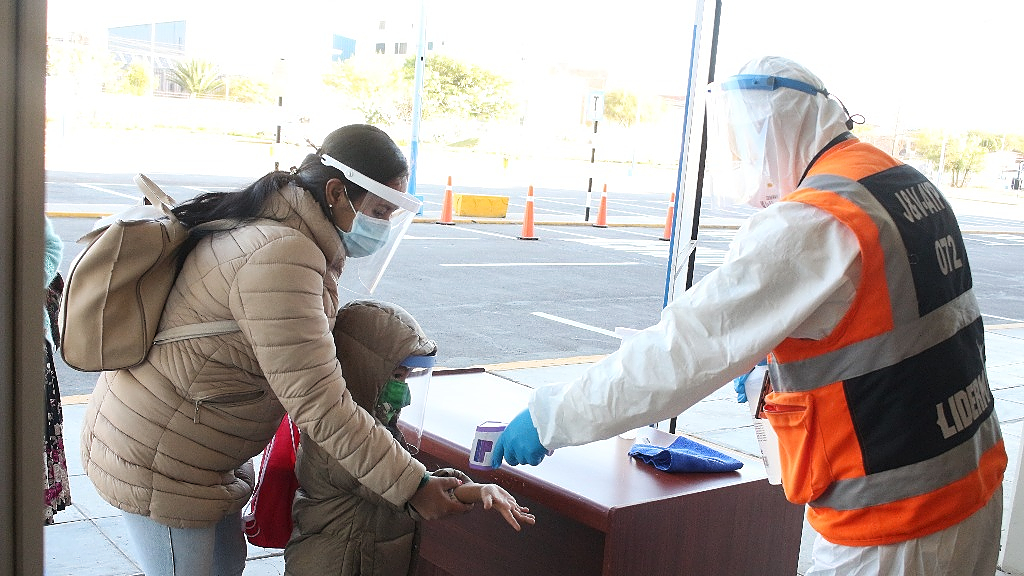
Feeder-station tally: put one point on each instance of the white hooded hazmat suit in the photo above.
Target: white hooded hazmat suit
(791, 271)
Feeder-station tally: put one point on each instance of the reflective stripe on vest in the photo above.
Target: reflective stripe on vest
(882, 418)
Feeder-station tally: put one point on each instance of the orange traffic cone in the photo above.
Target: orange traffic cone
(667, 234)
(602, 212)
(446, 207)
(528, 218)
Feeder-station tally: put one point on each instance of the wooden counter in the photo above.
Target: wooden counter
(598, 510)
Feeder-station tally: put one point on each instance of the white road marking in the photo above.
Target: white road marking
(583, 207)
(475, 231)
(564, 230)
(207, 189)
(652, 247)
(995, 239)
(121, 194)
(1002, 318)
(500, 264)
(577, 324)
(410, 237)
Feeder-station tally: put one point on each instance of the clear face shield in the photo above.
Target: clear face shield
(411, 418)
(743, 159)
(381, 220)
(736, 143)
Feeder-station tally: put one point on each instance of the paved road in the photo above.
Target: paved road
(488, 297)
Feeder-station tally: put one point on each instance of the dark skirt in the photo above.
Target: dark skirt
(57, 488)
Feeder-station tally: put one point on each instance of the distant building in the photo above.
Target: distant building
(159, 45)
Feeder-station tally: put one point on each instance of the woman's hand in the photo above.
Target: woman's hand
(434, 500)
(494, 496)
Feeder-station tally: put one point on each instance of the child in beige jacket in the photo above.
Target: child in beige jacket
(341, 527)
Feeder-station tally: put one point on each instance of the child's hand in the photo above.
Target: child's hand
(494, 496)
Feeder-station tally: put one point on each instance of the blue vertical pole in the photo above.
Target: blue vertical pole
(695, 45)
(414, 146)
(684, 152)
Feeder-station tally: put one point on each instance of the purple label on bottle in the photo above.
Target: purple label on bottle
(483, 444)
(482, 448)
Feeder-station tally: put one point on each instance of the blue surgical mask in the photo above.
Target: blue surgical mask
(367, 236)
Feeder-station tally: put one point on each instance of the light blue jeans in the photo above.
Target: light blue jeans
(217, 550)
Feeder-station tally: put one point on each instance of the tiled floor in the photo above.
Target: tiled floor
(88, 539)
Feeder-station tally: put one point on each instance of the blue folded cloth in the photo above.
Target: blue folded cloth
(685, 455)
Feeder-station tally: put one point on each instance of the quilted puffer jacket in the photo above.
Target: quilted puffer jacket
(341, 527)
(165, 439)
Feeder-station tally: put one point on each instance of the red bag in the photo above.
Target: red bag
(269, 521)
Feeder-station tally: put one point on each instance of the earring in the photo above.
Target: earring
(330, 206)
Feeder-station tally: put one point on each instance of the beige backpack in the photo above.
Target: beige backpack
(116, 287)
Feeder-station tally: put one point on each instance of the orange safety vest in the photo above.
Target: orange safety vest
(886, 427)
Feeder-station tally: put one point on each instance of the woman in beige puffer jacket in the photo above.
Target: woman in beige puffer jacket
(168, 441)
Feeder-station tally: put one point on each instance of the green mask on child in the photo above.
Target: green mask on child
(394, 397)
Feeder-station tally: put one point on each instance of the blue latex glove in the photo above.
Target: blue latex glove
(739, 384)
(519, 443)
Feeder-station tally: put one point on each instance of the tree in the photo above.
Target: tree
(453, 89)
(988, 141)
(84, 67)
(628, 108)
(370, 84)
(247, 90)
(1015, 142)
(960, 154)
(135, 79)
(196, 77)
(1000, 142)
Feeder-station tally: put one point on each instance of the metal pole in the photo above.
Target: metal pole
(942, 158)
(590, 181)
(279, 80)
(691, 198)
(414, 142)
(277, 140)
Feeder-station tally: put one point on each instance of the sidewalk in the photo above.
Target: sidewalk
(88, 539)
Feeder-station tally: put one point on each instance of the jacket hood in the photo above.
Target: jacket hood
(800, 125)
(765, 127)
(372, 339)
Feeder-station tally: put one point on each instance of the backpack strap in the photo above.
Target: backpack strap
(198, 330)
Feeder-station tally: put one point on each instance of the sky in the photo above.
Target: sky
(922, 63)
(915, 63)
(931, 64)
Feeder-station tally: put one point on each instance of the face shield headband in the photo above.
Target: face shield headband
(766, 82)
(763, 82)
(400, 199)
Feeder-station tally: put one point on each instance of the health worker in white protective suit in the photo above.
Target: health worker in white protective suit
(854, 282)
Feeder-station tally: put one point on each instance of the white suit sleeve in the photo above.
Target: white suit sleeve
(791, 271)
